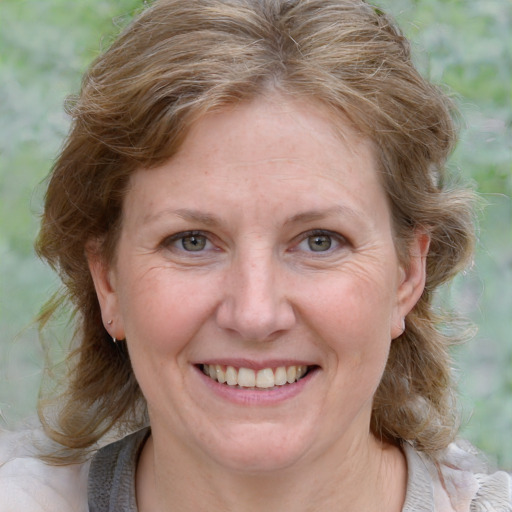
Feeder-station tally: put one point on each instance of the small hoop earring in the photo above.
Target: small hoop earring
(114, 339)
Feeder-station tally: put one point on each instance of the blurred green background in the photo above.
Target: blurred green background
(45, 46)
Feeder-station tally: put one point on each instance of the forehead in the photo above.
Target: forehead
(283, 118)
(274, 128)
(273, 148)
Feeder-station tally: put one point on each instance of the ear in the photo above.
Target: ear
(104, 283)
(412, 281)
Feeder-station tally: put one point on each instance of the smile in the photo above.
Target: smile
(260, 379)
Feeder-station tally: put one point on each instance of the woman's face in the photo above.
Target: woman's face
(262, 255)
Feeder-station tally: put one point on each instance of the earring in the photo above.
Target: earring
(109, 322)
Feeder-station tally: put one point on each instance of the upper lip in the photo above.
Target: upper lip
(255, 365)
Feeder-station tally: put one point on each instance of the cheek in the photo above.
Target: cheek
(352, 317)
(162, 311)
(162, 315)
(349, 305)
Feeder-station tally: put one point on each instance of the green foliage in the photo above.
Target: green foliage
(46, 44)
(467, 46)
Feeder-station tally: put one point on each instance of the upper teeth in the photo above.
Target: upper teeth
(249, 378)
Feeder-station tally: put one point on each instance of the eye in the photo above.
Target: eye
(320, 241)
(194, 242)
(188, 241)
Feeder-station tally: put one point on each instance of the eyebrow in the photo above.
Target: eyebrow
(211, 220)
(314, 215)
(207, 219)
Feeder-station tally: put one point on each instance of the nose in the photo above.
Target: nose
(255, 304)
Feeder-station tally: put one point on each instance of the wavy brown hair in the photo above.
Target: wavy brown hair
(180, 59)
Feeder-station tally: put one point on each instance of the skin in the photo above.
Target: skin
(253, 183)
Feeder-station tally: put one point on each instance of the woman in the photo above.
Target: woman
(250, 218)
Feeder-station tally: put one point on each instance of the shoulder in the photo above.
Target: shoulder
(467, 481)
(461, 482)
(29, 484)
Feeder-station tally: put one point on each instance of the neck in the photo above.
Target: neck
(333, 481)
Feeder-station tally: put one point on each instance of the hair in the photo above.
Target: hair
(181, 59)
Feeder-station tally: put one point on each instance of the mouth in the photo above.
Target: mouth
(248, 378)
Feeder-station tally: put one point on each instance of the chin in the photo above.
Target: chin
(259, 450)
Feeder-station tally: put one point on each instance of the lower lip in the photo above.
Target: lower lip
(251, 396)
